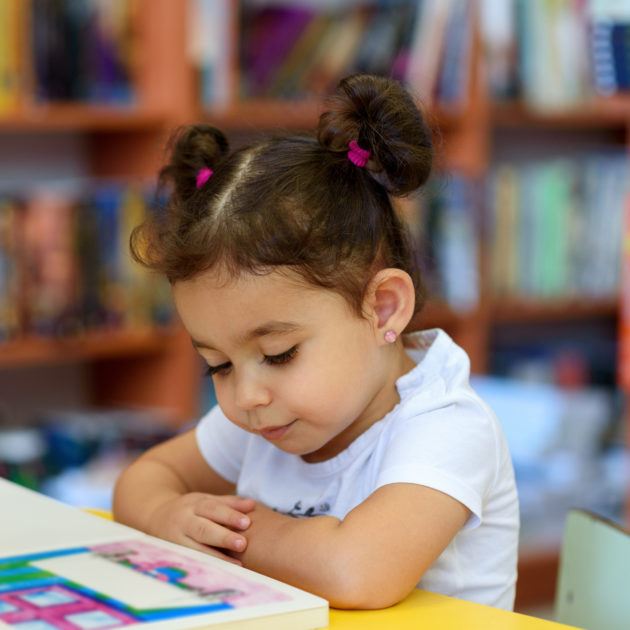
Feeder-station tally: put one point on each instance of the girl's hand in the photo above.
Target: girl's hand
(204, 522)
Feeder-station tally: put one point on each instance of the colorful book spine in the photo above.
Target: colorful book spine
(82, 51)
(623, 357)
(10, 248)
(211, 48)
(11, 24)
(272, 33)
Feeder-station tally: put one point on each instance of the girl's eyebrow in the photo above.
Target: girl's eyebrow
(268, 328)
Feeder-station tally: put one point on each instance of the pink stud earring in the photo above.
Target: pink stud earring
(390, 336)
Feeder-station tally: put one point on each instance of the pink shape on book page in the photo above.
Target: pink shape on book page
(204, 580)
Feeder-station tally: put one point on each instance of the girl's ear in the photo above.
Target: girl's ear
(390, 301)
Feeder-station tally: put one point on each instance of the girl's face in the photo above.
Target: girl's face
(290, 362)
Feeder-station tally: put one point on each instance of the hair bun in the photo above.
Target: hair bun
(380, 114)
(191, 149)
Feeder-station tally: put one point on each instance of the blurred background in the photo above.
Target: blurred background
(523, 231)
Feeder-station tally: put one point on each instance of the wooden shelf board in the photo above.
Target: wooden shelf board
(80, 117)
(271, 114)
(437, 314)
(512, 310)
(265, 114)
(600, 112)
(89, 346)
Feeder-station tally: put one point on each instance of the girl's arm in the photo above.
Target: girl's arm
(171, 492)
(371, 559)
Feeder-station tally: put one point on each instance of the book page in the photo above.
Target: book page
(30, 522)
(135, 581)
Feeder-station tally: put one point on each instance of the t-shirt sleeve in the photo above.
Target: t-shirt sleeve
(453, 449)
(221, 443)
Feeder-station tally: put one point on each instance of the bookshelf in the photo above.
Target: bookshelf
(119, 141)
(156, 367)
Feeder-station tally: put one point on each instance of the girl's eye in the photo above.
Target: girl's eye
(283, 357)
(224, 368)
(275, 359)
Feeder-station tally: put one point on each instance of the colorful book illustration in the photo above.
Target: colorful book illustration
(63, 569)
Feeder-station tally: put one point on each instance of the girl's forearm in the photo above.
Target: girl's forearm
(311, 554)
(141, 489)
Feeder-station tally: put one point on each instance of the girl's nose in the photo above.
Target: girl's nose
(250, 392)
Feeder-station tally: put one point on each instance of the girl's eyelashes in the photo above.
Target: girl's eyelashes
(283, 357)
(271, 359)
(211, 370)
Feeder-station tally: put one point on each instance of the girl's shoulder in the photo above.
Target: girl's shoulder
(437, 392)
(441, 365)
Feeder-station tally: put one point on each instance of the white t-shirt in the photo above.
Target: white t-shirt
(440, 435)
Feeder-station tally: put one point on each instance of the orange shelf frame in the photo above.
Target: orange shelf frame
(80, 117)
(85, 347)
(599, 112)
(514, 310)
(275, 114)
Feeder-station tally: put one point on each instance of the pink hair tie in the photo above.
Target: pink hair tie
(357, 155)
(203, 176)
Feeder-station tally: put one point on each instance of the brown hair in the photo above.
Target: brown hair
(297, 202)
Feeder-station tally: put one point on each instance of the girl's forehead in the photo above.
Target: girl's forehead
(251, 298)
(276, 280)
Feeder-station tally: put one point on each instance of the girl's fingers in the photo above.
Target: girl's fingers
(222, 513)
(244, 504)
(208, 532)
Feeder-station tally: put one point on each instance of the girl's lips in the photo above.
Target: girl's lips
(275, 433)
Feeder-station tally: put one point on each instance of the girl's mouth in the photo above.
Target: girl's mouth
(275, 433)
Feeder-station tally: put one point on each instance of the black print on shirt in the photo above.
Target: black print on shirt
(298, 511)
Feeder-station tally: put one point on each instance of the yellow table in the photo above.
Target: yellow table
(429, 611)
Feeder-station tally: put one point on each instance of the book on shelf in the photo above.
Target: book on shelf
(272, 32)
(610, 46)
(386, 39)
(48, 268)
(11, 85)
(427, 47)
(554, 227)
(334, 53)
(210, 47)
(65, 266)
(62, 568)
(497, 29)
(454, 73)
(284, 81)
(623, 357)
(503, 245)
(82, 51)
(10, 316)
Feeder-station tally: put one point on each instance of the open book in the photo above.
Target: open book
(64, 569)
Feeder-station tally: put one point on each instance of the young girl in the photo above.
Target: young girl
(346, 456)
